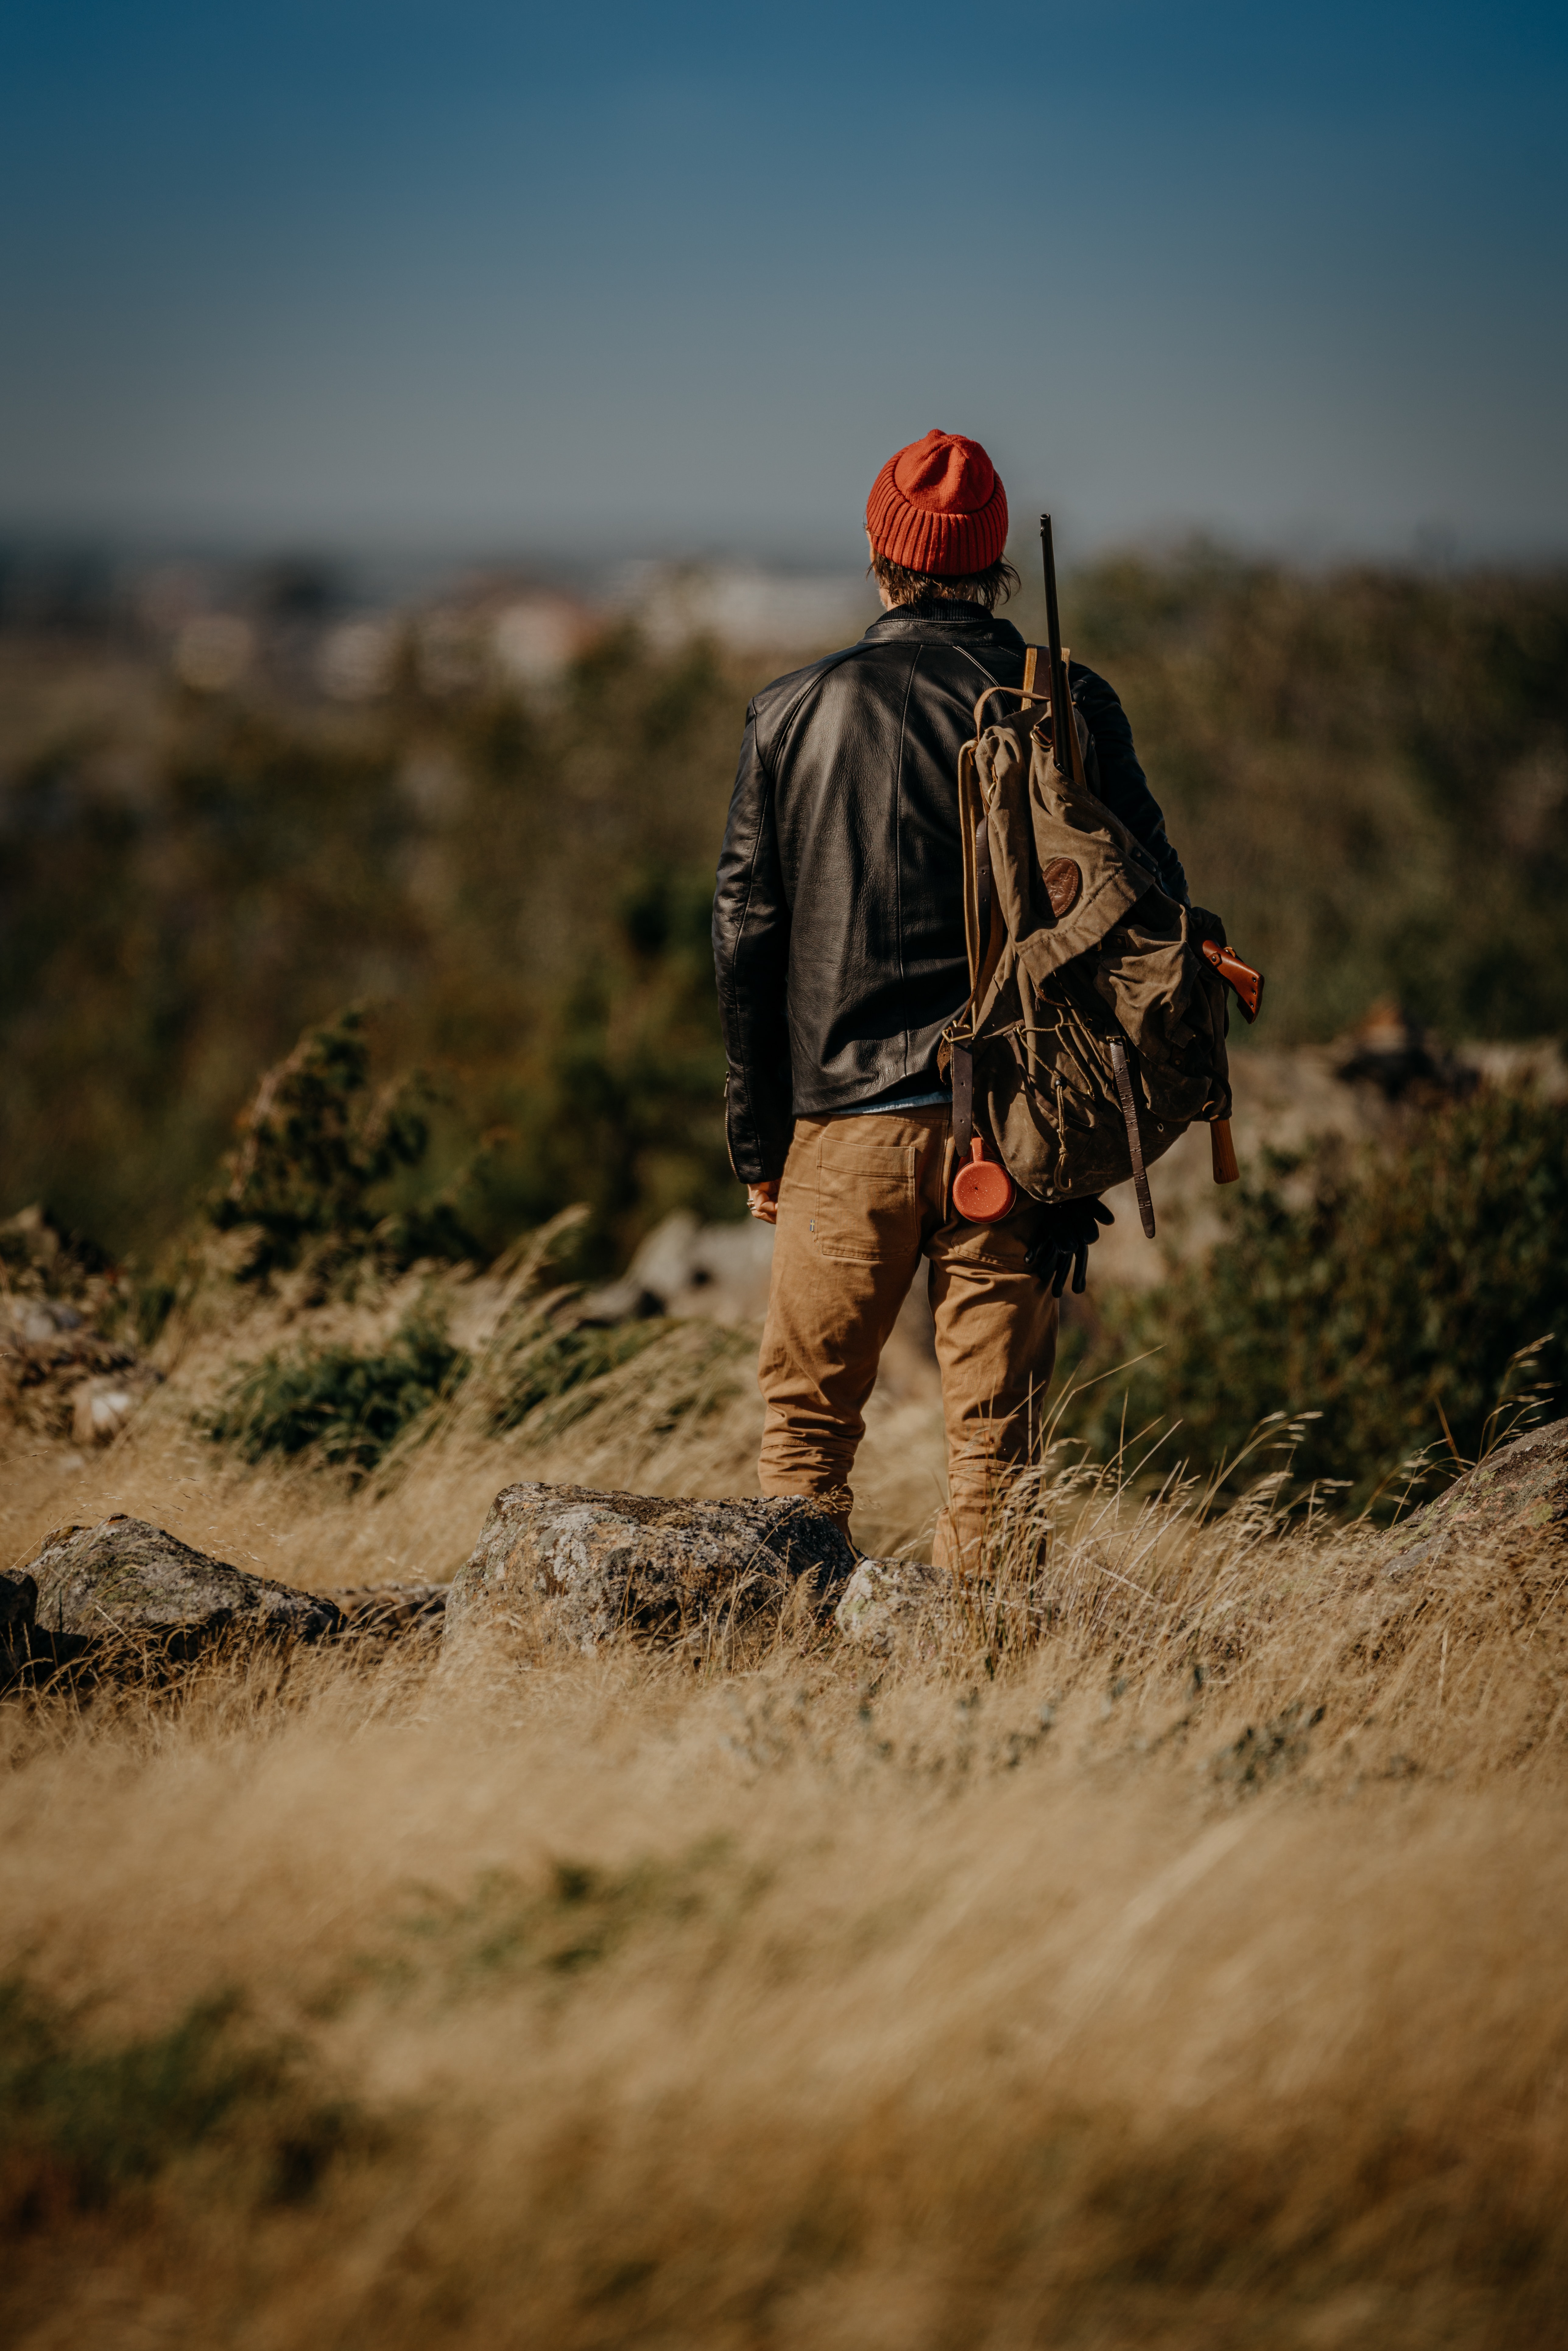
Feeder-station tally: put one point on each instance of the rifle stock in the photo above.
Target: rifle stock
(1247, 983)
(1223, 1151)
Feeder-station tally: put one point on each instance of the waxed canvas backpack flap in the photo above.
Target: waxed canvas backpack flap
(1059, 830)
(1160, 991)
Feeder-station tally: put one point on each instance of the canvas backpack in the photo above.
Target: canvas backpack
(1095, 1031)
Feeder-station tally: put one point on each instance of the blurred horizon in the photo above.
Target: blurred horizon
(490, 283)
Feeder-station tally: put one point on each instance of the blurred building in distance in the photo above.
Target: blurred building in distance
(339, 630)
(746, 608)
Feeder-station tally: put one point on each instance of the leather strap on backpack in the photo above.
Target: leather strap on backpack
(964, 1052)
(983, 892)
(963, 1070)
(1135, 1140)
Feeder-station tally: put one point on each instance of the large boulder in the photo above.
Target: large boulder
(576, 1567)
(1520, 1492)
(126, 1585)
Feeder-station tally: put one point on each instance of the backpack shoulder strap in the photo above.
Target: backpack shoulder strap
(1032, 657)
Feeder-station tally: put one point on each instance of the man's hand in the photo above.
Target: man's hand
(1206, 925)
(1067, 1229)
(762, 1201)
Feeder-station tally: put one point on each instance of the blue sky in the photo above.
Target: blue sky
(448, 272)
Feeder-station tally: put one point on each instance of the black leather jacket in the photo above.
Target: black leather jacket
(837, 928)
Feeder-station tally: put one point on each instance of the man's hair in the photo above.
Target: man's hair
(990, 587)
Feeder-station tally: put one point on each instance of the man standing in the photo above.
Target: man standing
(839, 952)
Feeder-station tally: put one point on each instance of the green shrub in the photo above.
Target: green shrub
(1393, 1301)
(557, 1361)
(343, 1405)
(83, 2122)
(315, 1147)
(582, 1916)
(347, 1406)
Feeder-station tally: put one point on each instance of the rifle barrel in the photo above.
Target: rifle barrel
(1062, 727)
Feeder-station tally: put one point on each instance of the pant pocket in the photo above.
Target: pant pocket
(1001, 1247)
(865, 1207)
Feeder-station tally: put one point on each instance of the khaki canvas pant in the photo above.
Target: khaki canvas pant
(862, 1201)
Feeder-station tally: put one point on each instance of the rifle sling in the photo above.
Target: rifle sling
(964, 1052)
(963, 1074)
(1135, 1140)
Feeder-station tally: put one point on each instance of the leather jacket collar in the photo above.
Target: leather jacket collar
(944, 620)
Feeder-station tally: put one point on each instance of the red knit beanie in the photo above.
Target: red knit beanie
(938, 506)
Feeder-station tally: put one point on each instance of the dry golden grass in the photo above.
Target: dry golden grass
(683, 1418)
(1177, 1964)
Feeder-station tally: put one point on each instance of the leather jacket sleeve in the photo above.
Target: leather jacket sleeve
(751, 958)
(1121, 784)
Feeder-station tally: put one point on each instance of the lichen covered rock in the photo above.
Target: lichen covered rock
(887, 1601)
(577, 1567)
(1520, 1493)
(125, 1582)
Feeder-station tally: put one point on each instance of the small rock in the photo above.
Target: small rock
(99, 1410)
(48, 1353)
(582, 1566)
(717, 1273)
(124, 1580)
(887, 1600)
(1520, 1492)
(37, 1321)
(100, 1407)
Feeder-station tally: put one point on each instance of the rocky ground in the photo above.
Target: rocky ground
(565, 1568)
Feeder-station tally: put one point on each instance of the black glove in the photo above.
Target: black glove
(1068, 1230)
(1206, 925)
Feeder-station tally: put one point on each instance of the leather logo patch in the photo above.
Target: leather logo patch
(1063, 879)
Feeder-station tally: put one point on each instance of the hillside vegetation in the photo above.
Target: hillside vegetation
(1366, 772)
(1412, 1299)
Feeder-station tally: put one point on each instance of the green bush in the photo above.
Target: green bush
(317, 1148)
(84, 2123)
(1393, 1301)
(347, 1406)
(558, 1361)
(631, 1119)
(343, 1405)
(582, 1916)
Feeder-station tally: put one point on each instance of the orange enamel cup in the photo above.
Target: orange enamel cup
(983, 1192)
